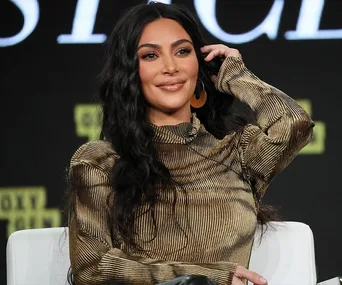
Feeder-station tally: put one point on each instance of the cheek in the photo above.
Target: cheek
(144, 73)
(147, 73)
(192, 67)
(192, 71)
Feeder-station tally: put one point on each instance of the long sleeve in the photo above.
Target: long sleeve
(95, 256)
(282, 126)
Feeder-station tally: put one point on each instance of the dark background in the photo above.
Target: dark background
(42, 81)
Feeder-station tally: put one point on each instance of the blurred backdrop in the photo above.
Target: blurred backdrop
(51, 53)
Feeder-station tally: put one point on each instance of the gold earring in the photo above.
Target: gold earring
(198, 100)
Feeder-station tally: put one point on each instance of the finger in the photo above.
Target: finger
(213, 54)
(208, 48)
(214, 46)
(237, 281)
(253, 277)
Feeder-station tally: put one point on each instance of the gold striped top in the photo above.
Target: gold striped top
(223, 180)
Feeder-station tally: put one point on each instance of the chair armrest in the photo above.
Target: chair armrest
(333, 281)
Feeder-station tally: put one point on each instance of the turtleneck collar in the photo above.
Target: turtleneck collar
(183, 133)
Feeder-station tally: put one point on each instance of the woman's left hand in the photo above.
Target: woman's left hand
(219, 50)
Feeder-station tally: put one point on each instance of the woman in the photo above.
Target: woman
(166, 192)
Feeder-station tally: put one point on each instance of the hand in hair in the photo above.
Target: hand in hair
(218, 50)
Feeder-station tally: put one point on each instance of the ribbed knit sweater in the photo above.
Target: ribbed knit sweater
(222, 181)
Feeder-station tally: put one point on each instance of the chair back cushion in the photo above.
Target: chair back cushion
(285, 255)
(38, 257)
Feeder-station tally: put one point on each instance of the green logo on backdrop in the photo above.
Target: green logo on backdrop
(25, 208)
(317, 145)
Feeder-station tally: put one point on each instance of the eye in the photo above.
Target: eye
(149, 56)
(184, 51)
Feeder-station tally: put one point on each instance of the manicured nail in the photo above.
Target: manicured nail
(263, 280)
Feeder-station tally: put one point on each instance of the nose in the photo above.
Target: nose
(169, 65)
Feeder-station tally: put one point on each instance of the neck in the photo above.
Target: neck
(160, 118)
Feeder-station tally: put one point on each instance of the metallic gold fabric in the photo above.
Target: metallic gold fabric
(223, 181)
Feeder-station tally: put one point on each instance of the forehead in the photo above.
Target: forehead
(163, 31)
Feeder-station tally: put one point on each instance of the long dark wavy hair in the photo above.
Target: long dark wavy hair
(138, 171)
(125, 125)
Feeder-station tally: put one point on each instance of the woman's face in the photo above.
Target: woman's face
(168, 68)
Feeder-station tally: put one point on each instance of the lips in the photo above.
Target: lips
(171, 85)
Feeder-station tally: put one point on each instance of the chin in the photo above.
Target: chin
(173, 108)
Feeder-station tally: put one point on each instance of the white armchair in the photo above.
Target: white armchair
(38, 257)
(285, 256)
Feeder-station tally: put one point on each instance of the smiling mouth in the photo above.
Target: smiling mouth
(171, 87)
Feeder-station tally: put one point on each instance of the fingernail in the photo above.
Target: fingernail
(263, 280)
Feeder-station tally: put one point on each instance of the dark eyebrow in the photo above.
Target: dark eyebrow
(179, 42)
(174, 44)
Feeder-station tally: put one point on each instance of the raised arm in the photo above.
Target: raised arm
(95, 255)
(282, 126)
